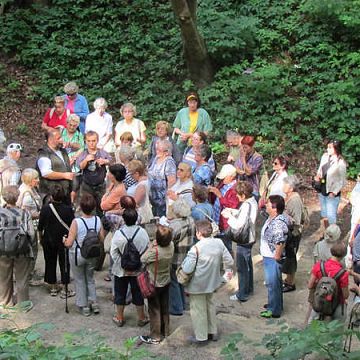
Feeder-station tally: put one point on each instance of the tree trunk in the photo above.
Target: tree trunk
(195, 52)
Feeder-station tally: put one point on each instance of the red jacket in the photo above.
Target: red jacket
(230, 200)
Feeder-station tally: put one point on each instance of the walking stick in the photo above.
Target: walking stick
(67, 279)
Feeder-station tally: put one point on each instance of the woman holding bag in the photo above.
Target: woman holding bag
(158, 259)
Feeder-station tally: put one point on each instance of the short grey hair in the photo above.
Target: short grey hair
(181, 208)
(100, 102)
(73, 118)
(71, 88)
(128, 105)
(10, 194)
(165, 145)
(292, 181)
(127, 152)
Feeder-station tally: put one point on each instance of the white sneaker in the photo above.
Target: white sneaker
(233, 298)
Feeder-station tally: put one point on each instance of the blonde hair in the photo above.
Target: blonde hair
(165, 124)
(136, 166)
(28, 175)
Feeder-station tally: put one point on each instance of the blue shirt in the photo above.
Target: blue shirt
(202, 175)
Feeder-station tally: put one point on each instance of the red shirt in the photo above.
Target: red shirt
(56, 120)
(332, 267)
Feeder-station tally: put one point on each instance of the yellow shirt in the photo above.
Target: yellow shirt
(193, 123)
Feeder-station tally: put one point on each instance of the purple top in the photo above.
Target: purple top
(254, 161)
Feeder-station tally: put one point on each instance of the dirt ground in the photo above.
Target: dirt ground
(233, 317)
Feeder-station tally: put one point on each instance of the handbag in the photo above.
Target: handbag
(214, 225)
(184, 278)
(242, 235)
(148, 287)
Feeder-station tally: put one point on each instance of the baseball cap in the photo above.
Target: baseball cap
(226, 170)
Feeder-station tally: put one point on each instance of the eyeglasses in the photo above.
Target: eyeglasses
(181, 169)
(73, 94)
(15, 147)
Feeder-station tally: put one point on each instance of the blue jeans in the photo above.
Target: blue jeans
(329, 206)
(245, 272)
(176, 295)
(273, 281)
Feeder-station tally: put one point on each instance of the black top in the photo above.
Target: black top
(53, 230)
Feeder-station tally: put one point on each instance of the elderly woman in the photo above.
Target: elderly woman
(9, 168)
(203, 209)
(204, 261)
(294, 208)
(20, 263)
(163, 132)
(249, 164)
(30, 200)
(125, 155)
(56, 116)
(131, 124)
(237, 219)
(225, 197)
(272, 249)
(183, 228)
(141, 190)
(199, 138)
(83, 269)
(182, 188)
(76, 103)
(73, 143)
(332, 177)
(162, 176)
(158, 259)
(190, 119)
(203, 174)
(52, 242)
(276, 182)
(101, 122)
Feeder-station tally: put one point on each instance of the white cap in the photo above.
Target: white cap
(14, 147)
(226, 170)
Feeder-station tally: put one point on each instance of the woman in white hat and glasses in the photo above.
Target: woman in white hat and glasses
(226, 197)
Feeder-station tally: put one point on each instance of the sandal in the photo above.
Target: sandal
(149, 340)
(143, 322)
(118, 322)
(107, 278)
(70, 293)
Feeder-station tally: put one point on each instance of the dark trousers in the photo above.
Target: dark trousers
(121, 285)
(53, 251)
(159, 312)
(97, 192)
(245, 272)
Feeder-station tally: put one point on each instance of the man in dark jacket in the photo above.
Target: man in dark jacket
(53, 165)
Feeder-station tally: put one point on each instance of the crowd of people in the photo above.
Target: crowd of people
(97, 190)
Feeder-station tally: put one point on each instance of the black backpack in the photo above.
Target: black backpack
(91, 247)
(130, 258)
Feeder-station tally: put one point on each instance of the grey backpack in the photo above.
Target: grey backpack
(14, 237)
(326, 297)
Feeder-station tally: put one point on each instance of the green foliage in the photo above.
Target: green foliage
(28, 344)
(287, 71)
(322, 339)
(22, 129)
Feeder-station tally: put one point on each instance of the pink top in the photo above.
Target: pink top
(71, 104)
(111, 200)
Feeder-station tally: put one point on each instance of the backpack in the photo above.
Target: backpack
(130, 258)
(91, 247)
(14, 237)
(326, 297)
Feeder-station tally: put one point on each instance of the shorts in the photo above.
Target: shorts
(120, 288)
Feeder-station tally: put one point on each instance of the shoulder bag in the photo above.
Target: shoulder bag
(182, 277)
(148, 287)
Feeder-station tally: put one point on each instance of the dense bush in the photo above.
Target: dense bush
(302, 60)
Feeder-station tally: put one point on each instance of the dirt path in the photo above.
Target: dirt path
(233, 317)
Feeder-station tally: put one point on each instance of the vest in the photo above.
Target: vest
(57, 165)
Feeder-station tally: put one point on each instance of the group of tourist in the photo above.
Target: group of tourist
(94, 180)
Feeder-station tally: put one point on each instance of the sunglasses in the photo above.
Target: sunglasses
(16, 147)
(71, 94)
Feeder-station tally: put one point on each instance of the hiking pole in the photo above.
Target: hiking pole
(67, 279)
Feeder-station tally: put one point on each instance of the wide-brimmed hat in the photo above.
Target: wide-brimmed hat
(226, 170)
